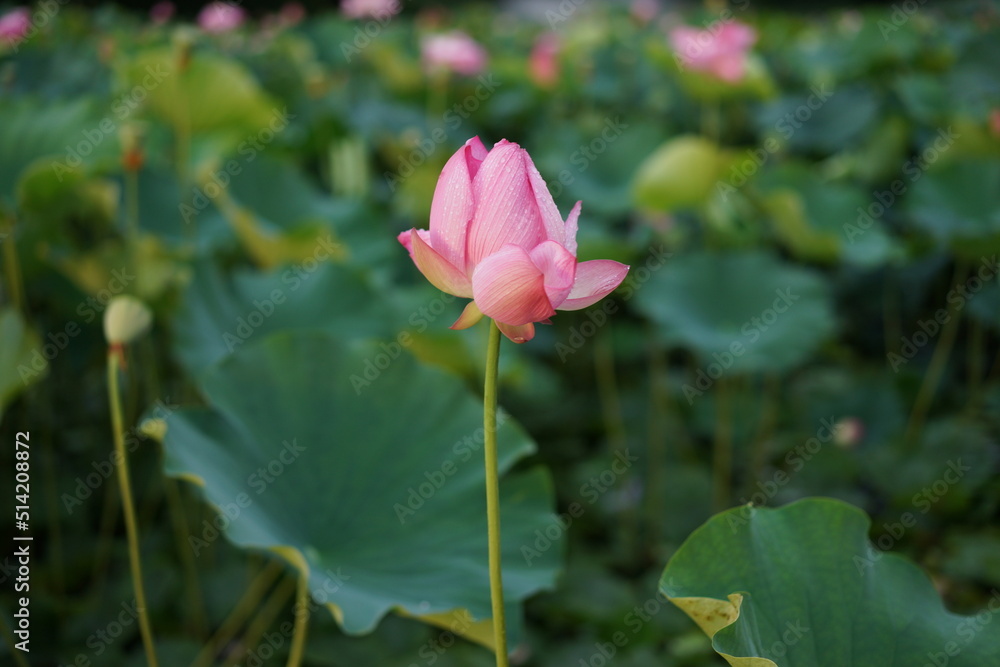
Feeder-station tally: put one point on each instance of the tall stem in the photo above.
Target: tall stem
(301, 621)
(131, 529)
(939, 362)
(493, 493)
(614, 427)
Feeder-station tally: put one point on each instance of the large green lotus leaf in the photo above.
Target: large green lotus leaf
(595, 163)
(212, 93)
(802, 586)
(822, 221)
(18, 345)
(823, 118)
(219, 315)
(378, 493)
(56, 201)
(70, 134)
(762, 313)
(957, 203)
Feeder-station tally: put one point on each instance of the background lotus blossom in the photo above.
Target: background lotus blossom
(161, 12)
(454, 51)
(644, 11)
(497, 237)
(378, 9)
(720, 51)
(220, 17)
(14, 25)
(543, 64)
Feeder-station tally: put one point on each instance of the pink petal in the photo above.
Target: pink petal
(477, 153)
(405, 239)
(508, 287)
(571, 227)
(558, 267)
(555, 229)
(737, 36)
(452, 206)
(518, 334)
(443, 275)
(506, 210)
(729, 67)
(469, 316)
(594, 281)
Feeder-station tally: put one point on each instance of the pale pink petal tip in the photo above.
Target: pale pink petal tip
(594, 281)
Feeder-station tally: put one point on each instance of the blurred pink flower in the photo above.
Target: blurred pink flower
(720, 51)
(220, 17)
(376, 9)
(454, 51)
(292, 13)
(161, 12)
(497, 237)
(14, 25)
(543, 64)
(644, 11)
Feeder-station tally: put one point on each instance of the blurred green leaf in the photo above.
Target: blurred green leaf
(743, 312)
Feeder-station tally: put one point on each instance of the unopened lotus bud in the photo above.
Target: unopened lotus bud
(125, 319)
(848, 432)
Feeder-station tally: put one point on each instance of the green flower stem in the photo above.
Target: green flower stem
(614, 426)
(301, 621)
(264, 619)
(243, 610)
(131, 529)
(939, 362)
(493, 493)
(182, 529)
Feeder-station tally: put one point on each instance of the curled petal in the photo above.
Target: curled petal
(508, 287)
(506, 210)
(571, 226)
(452, 206)
(555, 229)
(404, 239)
(442, 274)
(469, 316)
(477, 153)
(518, 334)
(594, 281)
(558, 267)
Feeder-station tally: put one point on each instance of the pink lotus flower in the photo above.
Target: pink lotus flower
(644, 11)
(161, 12)
(543, 64)
(14, 25)
(454, 51)
(497, 237)
(292, 13)
(376, 9)
(220, 17)
(720, 51)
